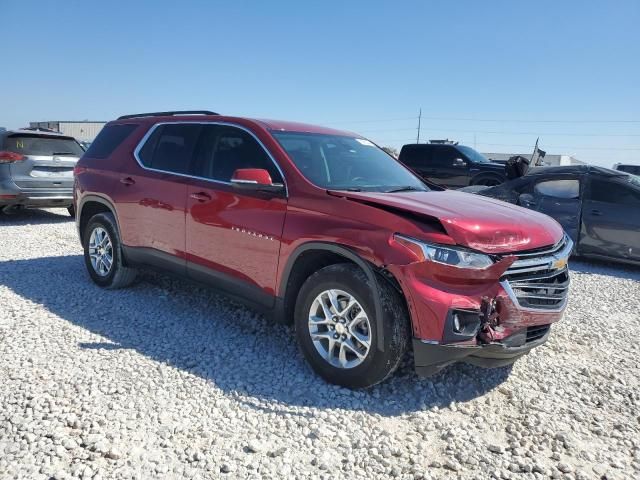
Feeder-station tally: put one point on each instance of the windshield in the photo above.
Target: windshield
(43, 145)
(473, 155)
(346, 163)
(633, 180)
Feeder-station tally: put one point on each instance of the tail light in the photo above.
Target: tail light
(77, 170)
(11, 157)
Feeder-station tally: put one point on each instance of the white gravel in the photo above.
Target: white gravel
(168, 380)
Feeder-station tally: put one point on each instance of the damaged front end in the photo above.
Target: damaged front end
(487, 316)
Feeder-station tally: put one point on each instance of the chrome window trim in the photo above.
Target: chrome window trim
(143, 141)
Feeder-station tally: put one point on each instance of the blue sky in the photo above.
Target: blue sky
(496, 74)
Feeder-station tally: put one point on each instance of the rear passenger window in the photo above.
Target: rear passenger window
(415, 157)
(613, 192)
(566, 189)
(170, 147)
(108, 140)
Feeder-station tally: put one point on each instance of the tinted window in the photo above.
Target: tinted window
(634, 169)
(471, 154)
(444, 156)
(170, 147)
(222, 150)
(559, 188)
(415, 156)
(27, 144)
(613, 192)
(341, 163)
(108, 140)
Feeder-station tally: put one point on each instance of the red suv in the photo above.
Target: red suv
(326, 231)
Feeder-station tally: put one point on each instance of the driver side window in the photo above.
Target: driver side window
(223, 149)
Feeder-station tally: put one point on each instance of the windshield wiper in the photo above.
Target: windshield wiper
(63, 153)
(407, 188)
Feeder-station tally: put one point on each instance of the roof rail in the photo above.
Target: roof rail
(167, 114)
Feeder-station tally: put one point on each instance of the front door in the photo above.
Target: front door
(611, 219)
(233, 235)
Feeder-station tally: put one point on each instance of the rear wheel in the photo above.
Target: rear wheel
(336, 327)
(103, 253)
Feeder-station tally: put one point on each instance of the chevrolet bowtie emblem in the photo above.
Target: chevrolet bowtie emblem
(560, 263)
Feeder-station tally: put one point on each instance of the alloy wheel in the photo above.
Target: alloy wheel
(340, 329)
(101, 251)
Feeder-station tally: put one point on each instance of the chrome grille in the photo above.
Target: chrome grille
(539, 279)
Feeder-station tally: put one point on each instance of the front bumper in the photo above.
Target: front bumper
(430, 358)
(489, 318)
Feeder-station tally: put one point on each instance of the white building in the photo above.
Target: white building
(84, 131)
(548, 159)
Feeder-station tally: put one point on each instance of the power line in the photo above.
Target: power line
(568, 147)
(477, 119)
(498, 132)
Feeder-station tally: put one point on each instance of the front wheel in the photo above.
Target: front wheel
(337, 329)
(103, 253)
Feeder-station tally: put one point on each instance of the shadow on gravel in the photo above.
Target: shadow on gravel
(600, 267)
(198, 331)
(35, 217)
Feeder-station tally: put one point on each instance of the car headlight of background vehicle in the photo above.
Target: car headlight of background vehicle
(447, 255)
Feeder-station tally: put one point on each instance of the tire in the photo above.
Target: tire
(117, 275)
(72, 211)
(487, 181)
(376, 365)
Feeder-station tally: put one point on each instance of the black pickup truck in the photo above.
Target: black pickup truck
(455, 166)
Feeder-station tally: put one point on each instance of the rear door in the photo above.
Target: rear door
(233, 235)
(151, 195)
(48, 163)
(611, 219)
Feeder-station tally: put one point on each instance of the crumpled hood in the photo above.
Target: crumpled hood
(477, 222)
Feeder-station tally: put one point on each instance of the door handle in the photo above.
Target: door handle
(201, 196)
(127, 181)
(596, 213)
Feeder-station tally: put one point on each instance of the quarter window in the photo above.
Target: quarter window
(109, 138)
(566, 189)
(170, 147)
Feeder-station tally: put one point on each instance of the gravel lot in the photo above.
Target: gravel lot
(168, 380)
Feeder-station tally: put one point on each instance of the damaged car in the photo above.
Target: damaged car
(599, 208)
(323, 230)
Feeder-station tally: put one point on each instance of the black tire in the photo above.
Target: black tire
(72, 211)
(377, 365)
(487, 181)
(118, 276)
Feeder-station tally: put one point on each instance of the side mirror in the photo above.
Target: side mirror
(257, 179)
(458, 162)
(526, 200)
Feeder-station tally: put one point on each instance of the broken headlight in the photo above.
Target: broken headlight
(447, 255)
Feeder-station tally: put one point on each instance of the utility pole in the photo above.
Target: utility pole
(419, 119)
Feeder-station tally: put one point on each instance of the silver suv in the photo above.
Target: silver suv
(36, 169)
